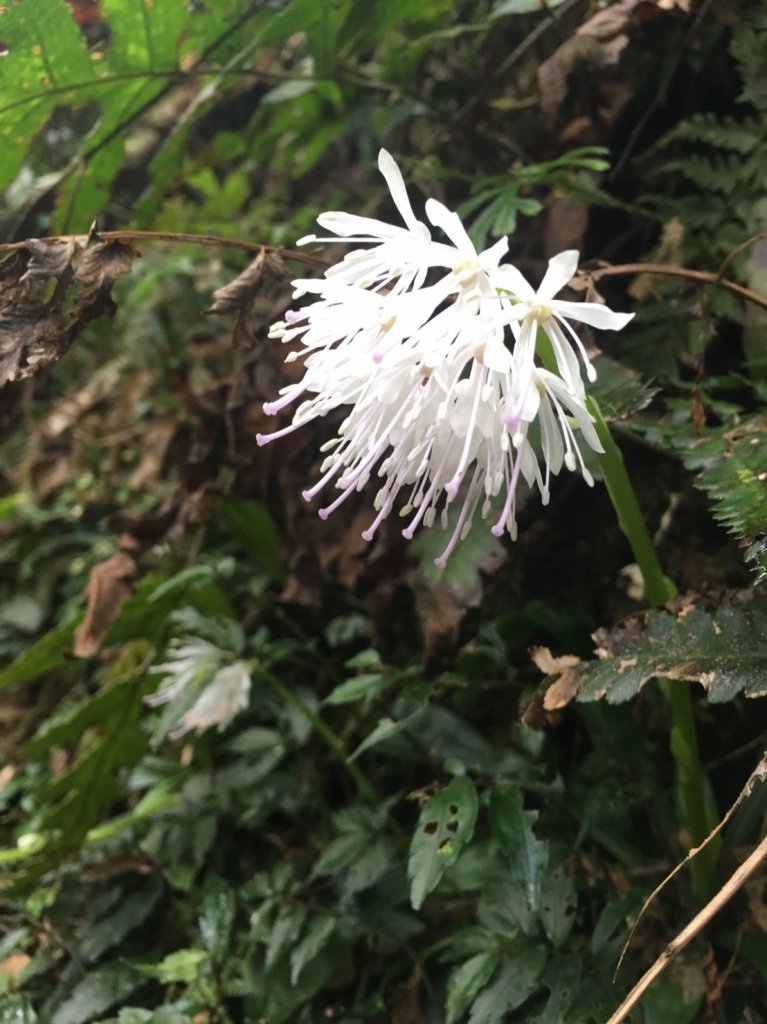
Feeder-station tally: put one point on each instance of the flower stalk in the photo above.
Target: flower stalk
(696, 806)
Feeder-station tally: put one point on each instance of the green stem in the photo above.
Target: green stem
(696, 805)
(336, 744)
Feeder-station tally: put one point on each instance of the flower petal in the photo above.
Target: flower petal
(393, 176)
(560, 270)
(450, 223)
(509, 279)
(592, 313)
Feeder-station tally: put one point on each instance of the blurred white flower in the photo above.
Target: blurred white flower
(206, 691)
(432, 346)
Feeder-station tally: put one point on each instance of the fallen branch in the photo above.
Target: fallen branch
(672, 270)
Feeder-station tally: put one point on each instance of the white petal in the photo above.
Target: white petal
(345, 224)
(394, 180)
(560, 270)
(508, 278)
(592, 313)
(450, 223)
(490, 258)
(496, 356)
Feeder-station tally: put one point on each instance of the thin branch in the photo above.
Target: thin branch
(759, 774)
(683, 939)
(176, 236)
(671, 270)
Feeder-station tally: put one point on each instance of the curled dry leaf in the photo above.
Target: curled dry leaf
(107, 590)
(239, 295)
(48, 292)
(595, 46)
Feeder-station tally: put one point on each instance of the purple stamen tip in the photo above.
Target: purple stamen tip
(497, 530)
(441, 562)
(262, 439)
(293, 316)
(377, 357)
(368, 535)
(323, 513)
(270, 408)
(307, 495)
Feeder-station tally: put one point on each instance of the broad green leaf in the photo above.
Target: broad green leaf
(669, 1003)
(467, 981)
(513, 828)
(46, 55)
(217, 916)
(49, 652)
(725, 651)
(99, 990)
(514, 982)
(252, 526)
(317, 935)
(562, 978)
(445, 825)
(132, 910)
(558, 903)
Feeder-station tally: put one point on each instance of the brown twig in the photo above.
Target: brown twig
(176, 236)
(759, 774)
(671, 270)
(683, 939)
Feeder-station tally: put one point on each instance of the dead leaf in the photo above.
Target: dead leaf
(98, 269)
(38, 319)
(106, 592)
(13, 965)
(597, 45)
(239, 296)
(549, 664)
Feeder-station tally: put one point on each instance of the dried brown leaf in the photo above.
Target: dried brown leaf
(240, 294)
(36, 327)
(97, 270)
(107, 590)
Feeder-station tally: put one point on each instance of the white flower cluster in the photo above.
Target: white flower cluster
(432, 346)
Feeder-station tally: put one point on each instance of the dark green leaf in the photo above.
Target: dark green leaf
(513, 828)
(514, 981)
(445, 825)
(725, 651)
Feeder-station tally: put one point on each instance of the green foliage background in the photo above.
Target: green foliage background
(396, 828)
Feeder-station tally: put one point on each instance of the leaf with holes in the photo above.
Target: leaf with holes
(444, 827)
(725, 651)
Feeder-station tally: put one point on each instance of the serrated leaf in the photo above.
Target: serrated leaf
(514, 981)
(467, 981)
(445, 825)
(96, 993)
(284, 932)
(182, 966)
(361, 687)
(731, 469)
(47, 653)
(321, 928)
(513, 828)
(725, 651)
